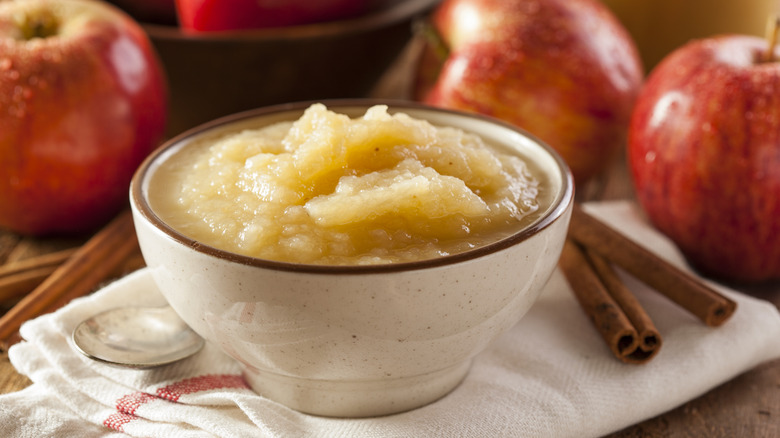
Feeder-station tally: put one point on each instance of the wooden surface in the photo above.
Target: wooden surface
(747, 406)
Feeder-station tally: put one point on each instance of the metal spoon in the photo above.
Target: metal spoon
(136, 337)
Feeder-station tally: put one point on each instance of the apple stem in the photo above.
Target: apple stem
(773, 24)
(424, 28)
(43, 26)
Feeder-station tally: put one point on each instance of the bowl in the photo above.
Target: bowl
(213, 74)
(360, 340)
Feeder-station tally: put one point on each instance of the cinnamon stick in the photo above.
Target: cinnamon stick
(21, 277)
(628, 342)
(712, 307)
(649, 339)
(50, 259)
(79, 275)
(14, 286)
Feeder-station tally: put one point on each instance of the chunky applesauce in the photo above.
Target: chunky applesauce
(330, 189)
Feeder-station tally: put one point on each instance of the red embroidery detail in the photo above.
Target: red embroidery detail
(126, 407)
(118, 420)
(128, 404)
(201, 383)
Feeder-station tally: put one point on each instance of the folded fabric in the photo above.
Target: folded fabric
(550, 375)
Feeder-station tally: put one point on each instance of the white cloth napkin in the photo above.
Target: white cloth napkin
(550, 375)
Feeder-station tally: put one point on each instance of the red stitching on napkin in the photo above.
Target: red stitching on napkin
(128, 404)
(118, 420)
(126, 407)
(201, 383)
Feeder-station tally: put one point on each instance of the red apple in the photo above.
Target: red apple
(565, 70)
(704, 152)
(220, 15)
(83, 100)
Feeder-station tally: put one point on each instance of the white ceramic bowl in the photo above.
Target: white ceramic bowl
(356, 340)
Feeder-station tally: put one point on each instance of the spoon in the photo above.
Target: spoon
(136, 337)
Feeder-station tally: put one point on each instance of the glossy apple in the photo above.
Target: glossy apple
(704, 152)
(565, 70)
(220, 15)
(83, 100)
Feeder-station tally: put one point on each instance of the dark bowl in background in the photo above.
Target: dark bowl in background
(215, 74)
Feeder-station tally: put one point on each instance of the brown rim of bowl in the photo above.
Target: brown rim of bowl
(557, 209)
(389, 13)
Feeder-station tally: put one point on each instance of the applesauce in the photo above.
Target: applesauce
(330, 189)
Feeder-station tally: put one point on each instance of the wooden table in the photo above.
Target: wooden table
(747, 406)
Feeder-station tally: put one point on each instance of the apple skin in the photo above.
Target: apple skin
(704, 155)
(78, 113)
(219, 15)
(565, 70)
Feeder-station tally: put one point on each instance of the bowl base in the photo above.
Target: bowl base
(361, 398)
